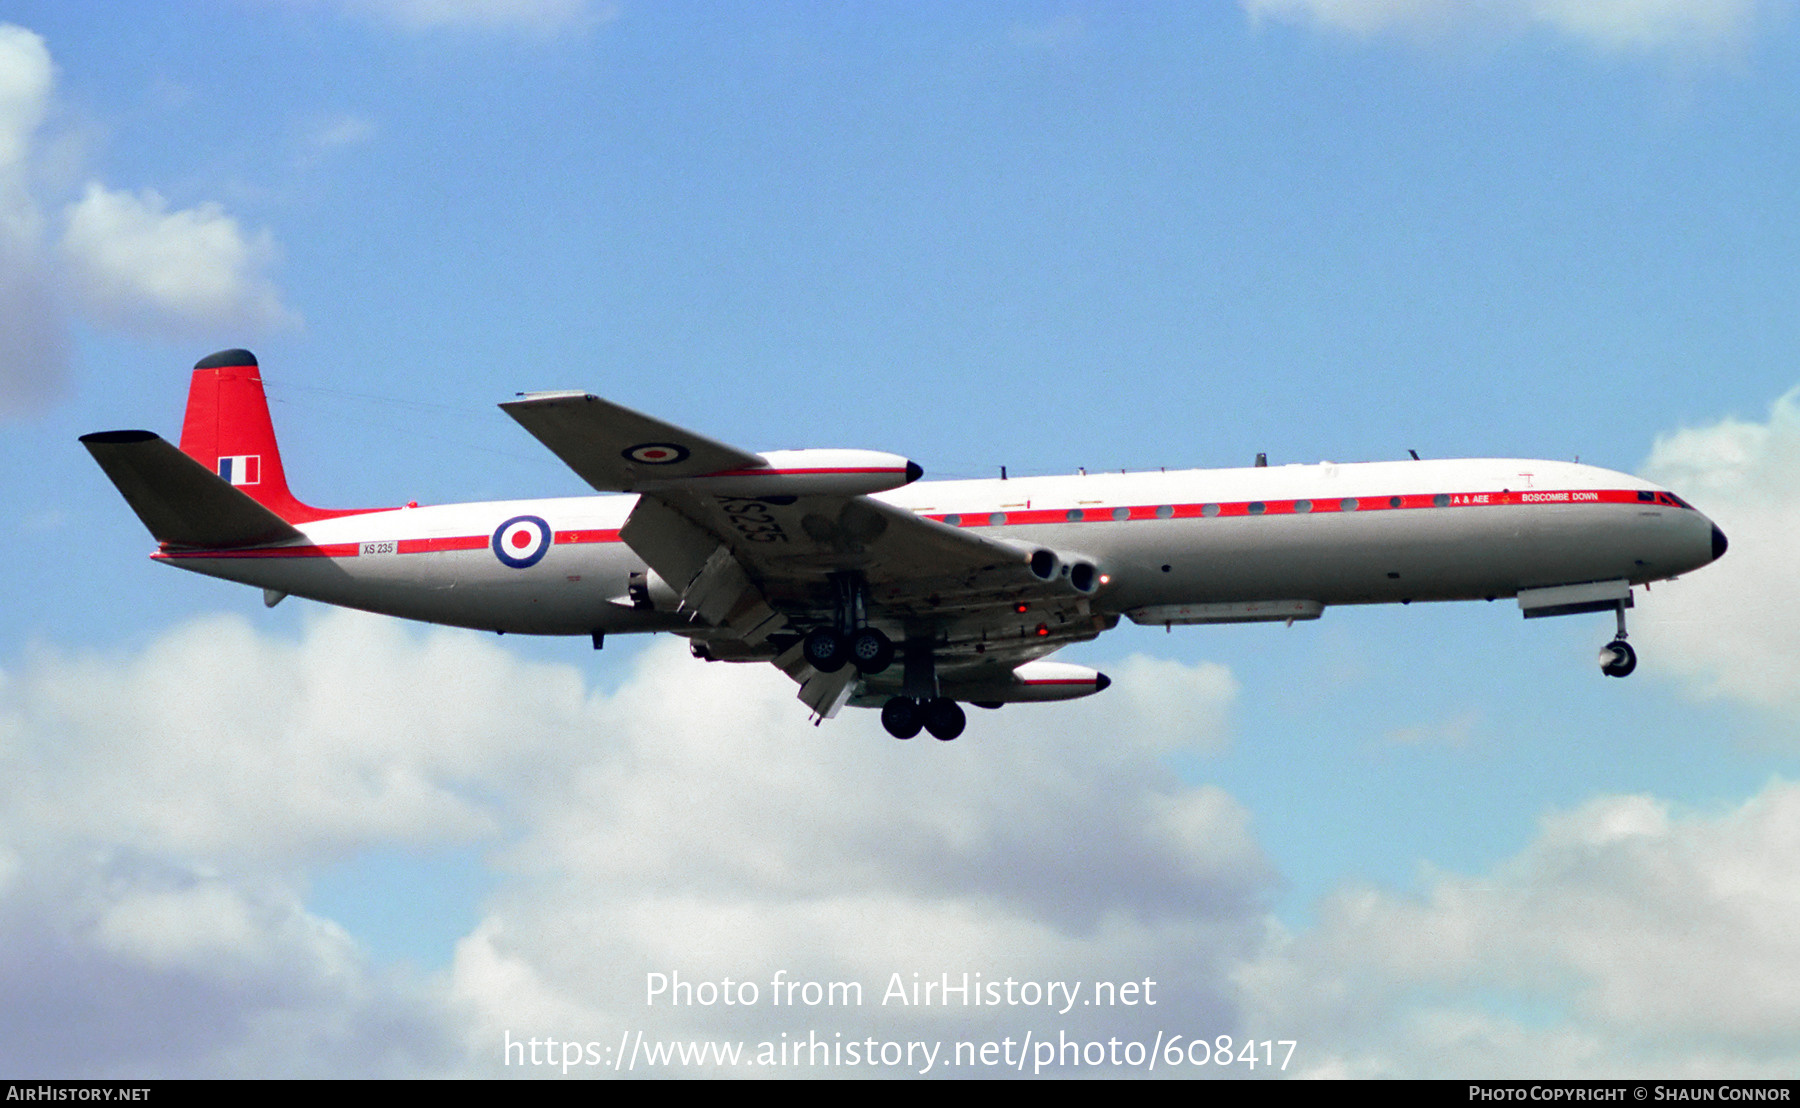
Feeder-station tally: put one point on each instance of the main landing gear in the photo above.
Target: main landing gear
(903, 716)
(919, 704)
(827, 650)
(1617, 659)
(851, 640)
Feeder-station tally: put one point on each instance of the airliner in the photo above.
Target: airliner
(872, 588)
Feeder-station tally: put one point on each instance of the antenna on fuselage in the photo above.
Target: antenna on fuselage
(1414, 453)
(1262, 460)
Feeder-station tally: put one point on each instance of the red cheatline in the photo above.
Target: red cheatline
(1327, 506)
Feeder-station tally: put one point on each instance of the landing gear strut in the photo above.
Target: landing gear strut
(1617, 659)
(919, 704)
(851, 639)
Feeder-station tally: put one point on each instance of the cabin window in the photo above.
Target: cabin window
(1074, 515)
(1209, 509)
(1121, 513)
(953, 520)
(1167, 511)
(1441, 500)
(1257, 507)
(1302, 505)
(997, 518)
(1348, 504)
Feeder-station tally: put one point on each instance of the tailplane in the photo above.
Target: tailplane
(228, 431)
(180, 501)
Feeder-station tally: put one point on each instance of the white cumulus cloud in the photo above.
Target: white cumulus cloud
(118, 259)
(714, 835)
(138, 265)
(222, 743)
(161, 810)
(1733, 628)
(1625, 939)
(119, 963)
(33, 337)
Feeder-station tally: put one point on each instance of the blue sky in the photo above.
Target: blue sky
(1421, 841)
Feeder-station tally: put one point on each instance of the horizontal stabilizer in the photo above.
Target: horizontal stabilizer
(181, 501)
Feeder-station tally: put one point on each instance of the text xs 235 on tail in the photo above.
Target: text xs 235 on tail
(872, 588)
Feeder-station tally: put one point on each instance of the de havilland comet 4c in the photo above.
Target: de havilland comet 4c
(872, 588)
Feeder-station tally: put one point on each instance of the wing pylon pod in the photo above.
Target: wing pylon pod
(1033, 682)
(616, 449)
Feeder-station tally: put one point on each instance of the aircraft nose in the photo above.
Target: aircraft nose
(1719, 543)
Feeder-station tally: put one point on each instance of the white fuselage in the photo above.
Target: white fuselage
(1330, 534)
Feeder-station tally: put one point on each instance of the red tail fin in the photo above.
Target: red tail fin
(227, 430)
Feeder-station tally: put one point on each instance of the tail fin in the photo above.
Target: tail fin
(228, 431)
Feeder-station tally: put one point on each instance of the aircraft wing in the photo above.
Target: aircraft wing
(757, 547)
(613, 448)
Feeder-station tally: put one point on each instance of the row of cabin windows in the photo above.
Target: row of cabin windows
(1256, 508)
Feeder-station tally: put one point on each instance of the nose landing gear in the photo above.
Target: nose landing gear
(1617, 659)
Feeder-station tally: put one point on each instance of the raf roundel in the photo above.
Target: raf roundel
(522, 541)
(656, 453)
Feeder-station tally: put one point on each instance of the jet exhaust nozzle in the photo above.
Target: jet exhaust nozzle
(1081, 576)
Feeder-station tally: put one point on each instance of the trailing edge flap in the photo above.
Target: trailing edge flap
(613, 448)
(712, 582)
(671, 544)
(824, 693)
(181, 501)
